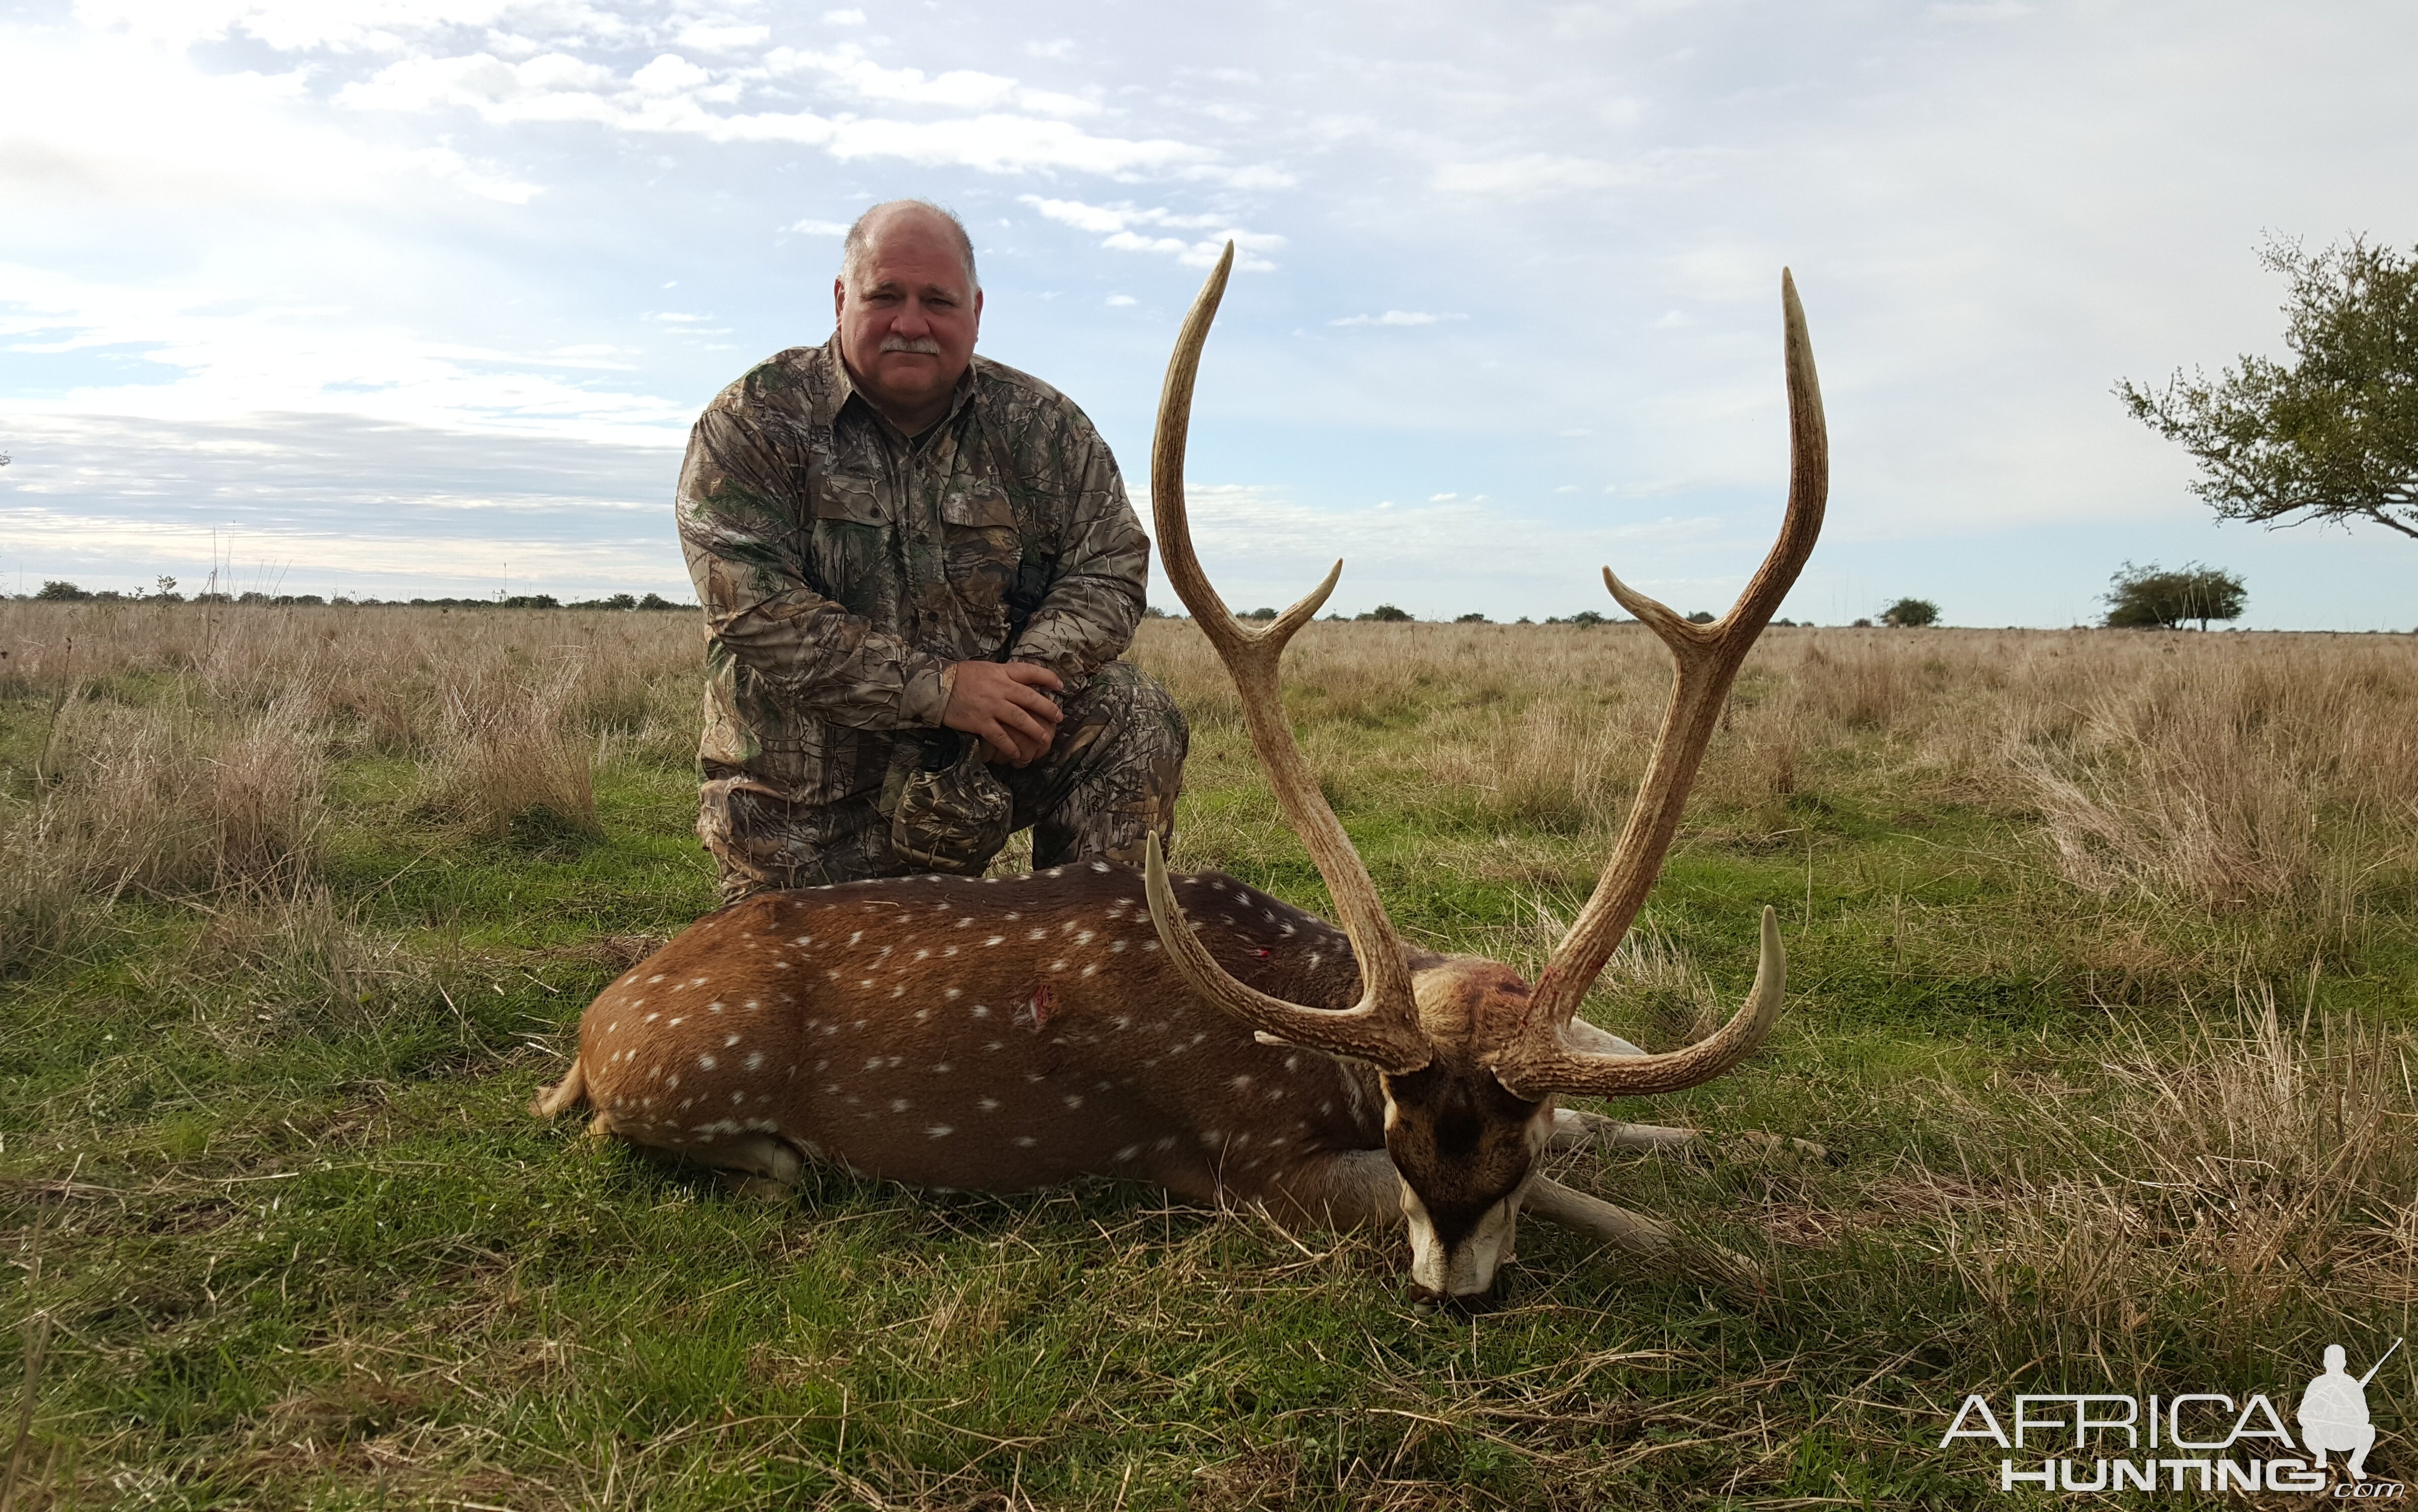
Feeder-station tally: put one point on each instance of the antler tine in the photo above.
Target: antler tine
(1708, 659)
(1383, 1027)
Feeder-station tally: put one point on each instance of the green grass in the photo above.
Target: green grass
(273, 1180)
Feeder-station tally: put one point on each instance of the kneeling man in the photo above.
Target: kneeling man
(918, 569)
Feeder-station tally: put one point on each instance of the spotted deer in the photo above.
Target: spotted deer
(997, 1035)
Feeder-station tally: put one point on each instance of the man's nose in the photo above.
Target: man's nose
(910, 319)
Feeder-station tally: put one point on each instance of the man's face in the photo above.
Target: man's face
(907, 318)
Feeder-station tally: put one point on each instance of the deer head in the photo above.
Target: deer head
(1470, 1056)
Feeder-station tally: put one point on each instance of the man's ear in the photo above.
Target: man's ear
(839, 296)
(977, 311)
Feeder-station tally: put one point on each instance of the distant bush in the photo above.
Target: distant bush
(1261, 614)
(1701, 617)
(1473, 620)
(2153, 598)
(1386, 613)
(1908, 614)
(59, 592)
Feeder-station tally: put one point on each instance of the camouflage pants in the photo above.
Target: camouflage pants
(1109, 778)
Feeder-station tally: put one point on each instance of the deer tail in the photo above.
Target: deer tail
(563, 1094)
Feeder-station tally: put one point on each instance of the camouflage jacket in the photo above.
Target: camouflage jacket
(843, 567)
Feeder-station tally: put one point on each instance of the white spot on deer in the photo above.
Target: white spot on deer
(1129, 1152)
(1209, 1139)
(651, 1018)
(705, 1063)
(752, 1005)
(756, 1061)
(950, 994)
(729, 1040)
(676, 1022)
(988, 1105)
(873, 1064)
(995, 939)
(854, 937)
(898, 991)
(1091, 969)
(1057, 966)
(652, 980)
(803, 939)
(1023, 1142)
(1315, 958)
(1012, 917)
(1073, 1099)
(1241, 1083)
(1164, 1145)
(921, 954)
(1115, 945)
(965, 922)
(899, 1104)
(1036, 934)
(671, 1083)
(611, 1027)
(940, 1130)
(1217, 887)
(713, 1007)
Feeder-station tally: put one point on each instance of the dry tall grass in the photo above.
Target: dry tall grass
(2203, 772)
(183, 749)
(2258, 1166)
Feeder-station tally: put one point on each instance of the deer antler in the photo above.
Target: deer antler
(1383, 1027)
(1540, 1060)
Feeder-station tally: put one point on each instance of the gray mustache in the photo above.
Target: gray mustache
(923, 344)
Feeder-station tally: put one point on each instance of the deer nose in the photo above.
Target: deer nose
(1462, 1304)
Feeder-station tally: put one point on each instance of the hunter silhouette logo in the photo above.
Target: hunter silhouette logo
(2333, 1411)
(2190, 1441)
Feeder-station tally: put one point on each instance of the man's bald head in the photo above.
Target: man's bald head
(909, 309)
(865, 236)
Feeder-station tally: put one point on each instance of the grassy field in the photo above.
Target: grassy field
(2104, 982)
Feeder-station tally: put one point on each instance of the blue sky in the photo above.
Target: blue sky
(401, 296)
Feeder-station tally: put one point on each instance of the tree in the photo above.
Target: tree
(1388, 613)
(2333, 437)
(1910, 614)
(1473, 620)
(2153, 598)
(59, 592)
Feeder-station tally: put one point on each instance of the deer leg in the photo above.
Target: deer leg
(1347, 1189)
(1575, 1130)
(1634, 1234)
(761, 1166)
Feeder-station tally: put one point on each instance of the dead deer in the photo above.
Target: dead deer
(1188, 1031)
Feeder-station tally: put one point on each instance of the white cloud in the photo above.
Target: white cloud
(811, 227)
(1531, 174)
(670, 95)
(708, 36)
(1119, 301)
(1395, 317)
(1119, 220)
(844, 18)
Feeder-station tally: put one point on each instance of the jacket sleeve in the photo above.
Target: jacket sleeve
(1096, 597)
(744, 529)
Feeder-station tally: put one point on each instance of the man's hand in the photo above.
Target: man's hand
(1003, 704)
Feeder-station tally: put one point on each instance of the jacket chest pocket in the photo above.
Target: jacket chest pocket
(850, 547)
(980, 549)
